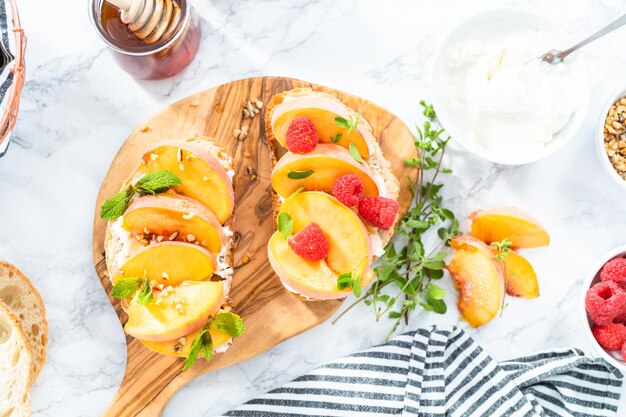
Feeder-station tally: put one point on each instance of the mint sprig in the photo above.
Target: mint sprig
(127, 287)
(229, 323)
(351, 124)
(203, 343)
(152, 183)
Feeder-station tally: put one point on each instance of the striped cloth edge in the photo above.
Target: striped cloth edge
(443, 372)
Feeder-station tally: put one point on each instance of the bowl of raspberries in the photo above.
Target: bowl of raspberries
(605, 307)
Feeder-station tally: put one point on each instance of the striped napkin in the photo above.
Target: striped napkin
(443, 372)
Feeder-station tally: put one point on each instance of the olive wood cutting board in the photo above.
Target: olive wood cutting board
(270, 313)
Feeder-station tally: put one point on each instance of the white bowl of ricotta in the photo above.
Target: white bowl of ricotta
(496, 99)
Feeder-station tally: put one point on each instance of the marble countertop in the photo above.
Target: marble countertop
(78, 107)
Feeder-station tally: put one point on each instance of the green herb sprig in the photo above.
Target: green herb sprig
(351, 124)
(127, 287)
(152, 183)
(229, 323)
(503, 248)
(407, 271)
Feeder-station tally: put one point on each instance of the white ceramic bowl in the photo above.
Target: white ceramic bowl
(614, 358)
(438, 81)
(604, 158)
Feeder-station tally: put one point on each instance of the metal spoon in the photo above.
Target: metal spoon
(555, 57)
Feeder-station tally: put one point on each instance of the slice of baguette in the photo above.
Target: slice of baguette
(24, 301)
(120, 244)
(377, 163)
(16, 366)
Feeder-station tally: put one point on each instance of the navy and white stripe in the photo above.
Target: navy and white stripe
(443, 372)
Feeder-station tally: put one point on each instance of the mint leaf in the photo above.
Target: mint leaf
(126, 287)
(336, 138)
(116, 205)
(156, 182)
(207, 348)
(355, 153)
(285, 225)
(229, 323)
(195, 349)
(145, 293)
(298, 175)
(341, 122)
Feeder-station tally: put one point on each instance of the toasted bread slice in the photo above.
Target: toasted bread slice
(16, 366)
(24, 301)
(380, 167)
(120, 244)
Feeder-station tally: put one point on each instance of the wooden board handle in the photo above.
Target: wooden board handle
(148, 383)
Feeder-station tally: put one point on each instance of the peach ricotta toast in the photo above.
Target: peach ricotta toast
(335, 197)
(169, 248)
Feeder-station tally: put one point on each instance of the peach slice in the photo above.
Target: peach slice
(321, 109)
(175, 348)
(348, 238)
(479, 279)
(202, 176)
(182, 311)
(350, 247)
(497, 224)
(169, 263)
(165, 214)
(521, 280)
(328, 162)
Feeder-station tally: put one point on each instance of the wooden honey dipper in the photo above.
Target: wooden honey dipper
(149, 20)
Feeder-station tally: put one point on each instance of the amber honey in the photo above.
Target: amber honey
(159, 59)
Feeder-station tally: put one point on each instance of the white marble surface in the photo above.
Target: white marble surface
(78, 106)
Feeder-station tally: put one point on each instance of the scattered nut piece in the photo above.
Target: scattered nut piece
(145, 129)
(188, 216)
(173, 236)
(245, 259)
(615, 136)
(191, 237)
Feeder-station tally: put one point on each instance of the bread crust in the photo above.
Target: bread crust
(42, 341)
(377, 162)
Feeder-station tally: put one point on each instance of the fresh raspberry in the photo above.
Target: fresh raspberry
(301, 135)
(379, 211)
(614, 270)
(310, 243)
(348, 189)
(611, 336)
(604, 302)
